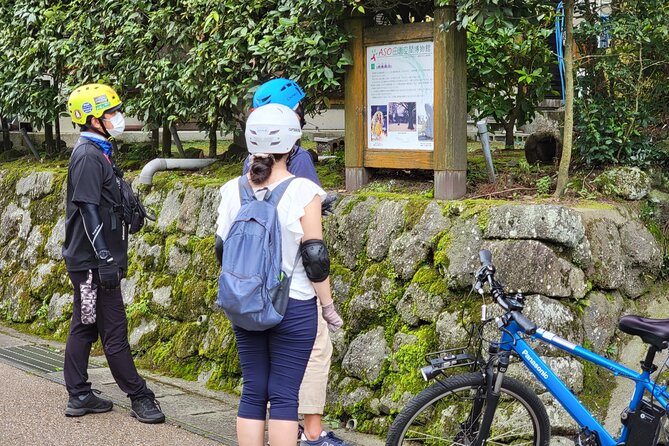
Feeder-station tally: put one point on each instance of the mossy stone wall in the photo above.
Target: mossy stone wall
(402, 268)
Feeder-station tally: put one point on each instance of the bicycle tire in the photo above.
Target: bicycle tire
(438, 417)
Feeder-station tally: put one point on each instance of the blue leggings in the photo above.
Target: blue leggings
(273, 363)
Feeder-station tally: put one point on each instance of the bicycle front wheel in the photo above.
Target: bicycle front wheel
(449, 413)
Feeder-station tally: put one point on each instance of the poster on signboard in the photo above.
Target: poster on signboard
(400, 96)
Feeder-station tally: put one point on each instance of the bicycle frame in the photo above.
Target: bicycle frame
(511, 341)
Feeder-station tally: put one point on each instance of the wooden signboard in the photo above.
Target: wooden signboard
(405, 102)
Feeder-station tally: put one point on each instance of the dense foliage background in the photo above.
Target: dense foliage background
(200, 61)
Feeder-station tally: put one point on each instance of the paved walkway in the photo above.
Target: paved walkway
(33, 399)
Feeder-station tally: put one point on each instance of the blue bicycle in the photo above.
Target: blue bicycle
(485, 407)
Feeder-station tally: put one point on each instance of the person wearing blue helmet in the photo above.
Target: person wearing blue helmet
(314, 384)
(287, 92)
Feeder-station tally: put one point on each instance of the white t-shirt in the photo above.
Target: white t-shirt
(298, 195)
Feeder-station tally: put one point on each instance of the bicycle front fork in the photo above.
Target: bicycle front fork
(493, 381)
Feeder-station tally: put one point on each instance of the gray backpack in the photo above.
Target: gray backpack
(253, 291)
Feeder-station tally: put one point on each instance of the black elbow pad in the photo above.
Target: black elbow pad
(218, 247)
(315, 259)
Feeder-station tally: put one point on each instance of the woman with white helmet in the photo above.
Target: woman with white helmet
(273, 361)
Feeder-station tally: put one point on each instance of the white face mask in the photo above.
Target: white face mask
(118, 123)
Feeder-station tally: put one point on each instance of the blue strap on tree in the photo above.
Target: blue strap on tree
(559, 49)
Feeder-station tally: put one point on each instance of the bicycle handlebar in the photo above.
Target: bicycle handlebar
(512, 304)
(486, 258)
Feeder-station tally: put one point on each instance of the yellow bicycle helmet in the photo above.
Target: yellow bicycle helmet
(91, 100)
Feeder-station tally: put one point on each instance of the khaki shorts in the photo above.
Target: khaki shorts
(315, 381)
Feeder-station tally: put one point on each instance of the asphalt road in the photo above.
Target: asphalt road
(32, 414)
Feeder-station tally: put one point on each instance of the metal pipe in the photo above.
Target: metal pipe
(158, 164)
(485, 142)
(29, 143)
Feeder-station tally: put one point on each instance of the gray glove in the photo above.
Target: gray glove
(326, 205)
(331, 317)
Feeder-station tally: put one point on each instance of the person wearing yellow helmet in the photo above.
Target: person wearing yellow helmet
(95, 251)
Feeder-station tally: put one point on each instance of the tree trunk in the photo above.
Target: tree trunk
(57, 127)
(567, 138)
(155, 140)
(508, 137)
(213, 142)
(48, 138)
(6, 142)
(177, 140)
(167, 140)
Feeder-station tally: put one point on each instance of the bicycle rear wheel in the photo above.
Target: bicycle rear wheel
(450, 413)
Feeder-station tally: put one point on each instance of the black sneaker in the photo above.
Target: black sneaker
(147, 410)
(77, 407)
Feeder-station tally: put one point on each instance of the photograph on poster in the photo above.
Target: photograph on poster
(378, 122)
(426, 124)
(402, 117)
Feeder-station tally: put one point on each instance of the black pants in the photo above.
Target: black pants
(112, 326)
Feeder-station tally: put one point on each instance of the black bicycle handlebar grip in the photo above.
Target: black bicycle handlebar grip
(486, 257)
(527, 325)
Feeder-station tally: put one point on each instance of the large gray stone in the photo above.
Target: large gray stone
(129, 289)
(388, 404)
(605, 246)
(349, 231)
(600, 319)
(533, 268)
(190, 210)
(349, 398)
(411, 248)
(552, 315)
(35, 240)
(463, 245)
(640, 247)
(35, 185)
(152, 201)
(54, 245)
(177, 259)
(419, 305)
(399, 341)
(386, 226)
(206, 223)
(58, 306)
(40, 273)
(450, 331)
(366, 355)
(630, 183)
(145, 252)
(219, 337)
(556, 224)
(162, 296)
(364, 310)
(170, 208)
(145, 327)
(635, 282)
(14, 222)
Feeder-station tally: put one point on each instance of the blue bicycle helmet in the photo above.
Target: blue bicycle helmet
(278, 91)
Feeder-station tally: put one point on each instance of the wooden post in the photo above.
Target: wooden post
(354, 113)
(450, 107)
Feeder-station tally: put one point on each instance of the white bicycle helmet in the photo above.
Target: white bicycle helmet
(272, 128)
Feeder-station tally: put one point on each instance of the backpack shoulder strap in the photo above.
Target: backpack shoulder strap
(274, 196)
(245, 191)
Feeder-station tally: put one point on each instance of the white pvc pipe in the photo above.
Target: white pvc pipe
(485, 143)
(158, 164)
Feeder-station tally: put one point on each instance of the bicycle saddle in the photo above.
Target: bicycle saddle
(651, 331)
